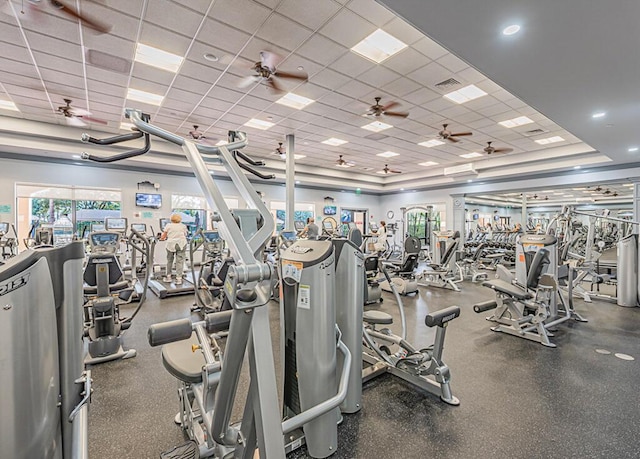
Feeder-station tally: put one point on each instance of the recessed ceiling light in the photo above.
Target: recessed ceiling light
(577, 167)
(155, 57)
(549, 140)
(299, 156)
(469, 180)
(334, 142)
(515, 122)
(379, 46)
(431, 143)
(259, 124)
(294, 101)
(401, 189)
(512, 29)
(297, 182)
(300, 67)
(211, 57)
(76, 156)
(144, 97)
(428, 163)
(465, 94)
(388, 154)
(471, 155)
(8, 105)
(376, 126)
(632, 149)
(599, 115)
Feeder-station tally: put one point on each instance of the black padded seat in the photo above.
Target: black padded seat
(181, 362)
(377, 317)
(508, 289)
(113, 288)
(217, 282)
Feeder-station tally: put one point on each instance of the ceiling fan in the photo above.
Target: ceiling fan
(267, 73)
(196, 134)
(77, 116)
(446, 134)
(378, 110)
(34, 8)
(387, 170)
(341, 162)
(280, 151)
(490, 149)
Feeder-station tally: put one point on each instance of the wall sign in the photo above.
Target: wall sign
(5, 208)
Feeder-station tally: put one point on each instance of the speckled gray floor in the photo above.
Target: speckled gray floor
(518, 398)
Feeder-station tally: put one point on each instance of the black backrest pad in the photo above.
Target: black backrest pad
(538, 267)
(115, 272)
(412, 245)
(410, 264)
(449, 253)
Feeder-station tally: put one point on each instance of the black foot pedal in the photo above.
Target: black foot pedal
(189, 450)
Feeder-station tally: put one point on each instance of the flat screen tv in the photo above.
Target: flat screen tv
(151, 200)
(330, 210)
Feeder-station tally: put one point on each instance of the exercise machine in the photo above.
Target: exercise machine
(45, 388)
(403, 274)
(208, 378)
(8, 243)
(210, 278)
(529, 305)
(441, 274)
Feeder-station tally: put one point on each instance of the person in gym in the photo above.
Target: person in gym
(518, 229)
(311, 230)
(381, 235)
(175, 233)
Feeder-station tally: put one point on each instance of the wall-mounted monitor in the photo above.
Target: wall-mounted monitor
(4, 227)
(298, 225)
(152, 200)
(345, 216)
(327, 225)
(163, 223)
(330, 210)
(97, 227)
(115, 224)
(139, 227)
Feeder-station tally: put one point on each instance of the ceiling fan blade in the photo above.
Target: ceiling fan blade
(395, 172)
(87, 20)
(73, 121)
(292, 75)
(273, 86)
(248, 81)
(349, 164)
(452, 139)
(503, 150)
(400, 114)
(390, 105)
(270, 60)
(460, 134)
(94, 120)
(79, 112)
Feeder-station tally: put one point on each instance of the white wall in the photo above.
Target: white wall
(12, 171)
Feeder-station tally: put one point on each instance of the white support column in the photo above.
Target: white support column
(290, 182)
(636, 206)
(459, 217)
(523, 222)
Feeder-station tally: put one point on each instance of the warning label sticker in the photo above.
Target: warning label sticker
(304, 297)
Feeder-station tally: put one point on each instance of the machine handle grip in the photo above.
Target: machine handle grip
(168, 332)
(218, 321)
(125, 155)
(485, 306)
(442, 317)
(252, 170)
(111, 140)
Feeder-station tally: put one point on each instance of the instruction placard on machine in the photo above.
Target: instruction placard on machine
(304, 297)
(292, 270)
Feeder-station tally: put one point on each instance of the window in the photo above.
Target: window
(42, 205)
(302, 211)
(195, 211)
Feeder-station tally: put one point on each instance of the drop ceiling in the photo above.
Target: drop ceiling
(44, 60)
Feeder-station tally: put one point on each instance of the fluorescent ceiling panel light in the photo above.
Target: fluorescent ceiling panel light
(428, 163)
(431, 143)
(259, 124)
(144, 97)
(294, 101)
(299, 156)
(376, 126)
(515, 122)
(549, 140)
(632, 149)
(8, 105)
(388, 154)
(577, 167)
(469, 180)
(471, 155)
(334, 142)
(155, 57)
(599, 115)
(379, 46)
(344, 166)
(465, 94)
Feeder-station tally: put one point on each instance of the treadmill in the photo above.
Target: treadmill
(166, 289)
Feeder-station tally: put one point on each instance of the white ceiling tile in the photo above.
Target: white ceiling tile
(330, 79)
(199, 72)
(430, 48)
(310, 13)
(378, 76)
(347, 28)
(193, 85)
(469, 75)
(146, 72)
(406, 62)
(272, 31)
(430, 75)
(403, 31)
(401, 87)
(223, 36)
(200, 6)
(15, 53)
(61, 48)
(173, 17)
(160, 38)
(494, 110)
(355, 89)
(334, 99)
(422, 96)
(106, 76)
(245, 15)
(452, 63)
(352, 64)
(322, 50)
(148, 86)
(371, 11)
(123, 21)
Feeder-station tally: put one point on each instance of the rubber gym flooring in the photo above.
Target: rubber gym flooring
(518, 399)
